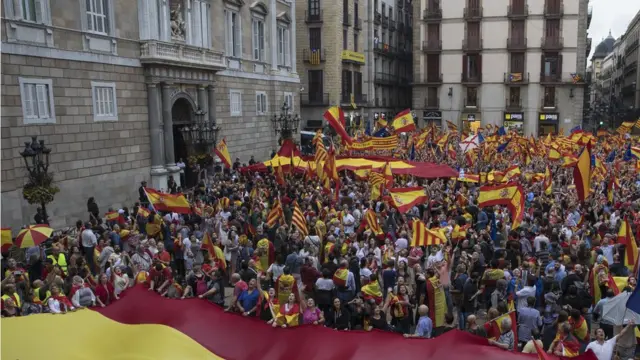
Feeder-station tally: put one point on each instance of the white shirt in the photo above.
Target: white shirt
(604, 351)
(538, 239)
(348, 221)
(401, 244)
(54, 306)
(523, 294)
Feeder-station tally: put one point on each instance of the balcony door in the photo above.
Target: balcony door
(316, 86)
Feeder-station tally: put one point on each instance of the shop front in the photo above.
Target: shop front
(432, 118)
(548, 123)
(514, 121)
(470, 122)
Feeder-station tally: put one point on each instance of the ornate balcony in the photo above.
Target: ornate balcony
(159, 52)
(431, 46)
(553, 9)
(517, 12)
(552, 43)
(432, 15)
(314, 99)
(517, 43)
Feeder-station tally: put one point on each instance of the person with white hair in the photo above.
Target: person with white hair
(506, 340)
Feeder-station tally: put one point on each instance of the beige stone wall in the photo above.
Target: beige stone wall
(250, 133)
(91, 155)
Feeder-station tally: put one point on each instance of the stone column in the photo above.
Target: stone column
(292, 41)
(158, 172)
(212, 103)
(273, 34)
(202, 98)
(169, 156)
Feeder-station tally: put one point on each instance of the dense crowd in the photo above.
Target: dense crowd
(550, 275)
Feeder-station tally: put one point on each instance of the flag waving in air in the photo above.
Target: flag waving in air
(510, 195)
(223, 153)
(582, 174)
(625, 236)
(168, 202)
(406, 198)
(299, 220)
(335, 118)
(403, 122)
(214, 251)
(421, 236)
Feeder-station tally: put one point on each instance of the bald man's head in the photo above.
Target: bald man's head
(423, 310)
(471, 319)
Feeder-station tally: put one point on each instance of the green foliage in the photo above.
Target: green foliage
(40, 189)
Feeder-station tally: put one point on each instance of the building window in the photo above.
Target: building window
(235, 103)
(314, 9)
(288, 99)
(517, 62)
(261, 102)
(315, 39)
(316, 86)
(37, 101)
(549, 100)
(105, 106)
(97, 21)
(233, 34)
(550, 64)
(355, 42)
(345, 41)
(28, 10)
(284, 50)
(472, 97)
(514, 96)
(258, 39)
(200, 24)
(472, 66)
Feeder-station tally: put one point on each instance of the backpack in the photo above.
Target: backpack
(201, 287)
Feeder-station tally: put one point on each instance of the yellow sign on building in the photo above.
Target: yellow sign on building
(353, 56)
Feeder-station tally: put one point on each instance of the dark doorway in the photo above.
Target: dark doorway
(182, 113)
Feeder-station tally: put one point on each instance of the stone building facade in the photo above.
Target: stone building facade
(109, 84)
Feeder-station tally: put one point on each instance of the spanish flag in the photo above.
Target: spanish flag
(223, 153)
(611, 187)
(144, 212)
(451, 126)
(372, 222)
(510, 195)
(580, 329)
(494, 329)
(6, 239)
(553, 154)
(388, 175)
(403, 122)
(625, 236)
(548, 181)
(425, 237)
(371, 291)
(214, 251)
(406, 198)
(299, 220)
(168, 202)
(340, 277)
(582, 175)
(335, 118)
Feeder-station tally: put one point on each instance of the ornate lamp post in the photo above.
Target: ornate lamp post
(284, 123)
(39, 188)
(202, 133)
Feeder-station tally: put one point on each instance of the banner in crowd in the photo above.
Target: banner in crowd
(389, 143)
(196, 329)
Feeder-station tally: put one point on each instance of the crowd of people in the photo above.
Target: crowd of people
(339, 273)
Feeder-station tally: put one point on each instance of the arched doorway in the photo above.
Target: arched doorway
(182, 116)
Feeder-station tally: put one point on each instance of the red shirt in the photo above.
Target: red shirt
(239, 288)
(105, 293)
(163, 256)
(159, 277)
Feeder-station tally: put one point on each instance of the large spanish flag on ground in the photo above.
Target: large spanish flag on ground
(625, 236)
(143, 325)
(406, 198)
(582, 174)
(403, 122)
(223, 153)
(335, 118)
(168, 202)
(510, 195)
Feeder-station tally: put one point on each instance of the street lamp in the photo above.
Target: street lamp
(202, 133)
(39, 188)
(284, 123)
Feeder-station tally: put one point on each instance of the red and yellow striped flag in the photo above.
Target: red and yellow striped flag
(421, 236)
(335, 118)
(510, 195)
(582, 175)
(406, 198)
(388, 175)
(168, 202)
(214, 251)
(372, 222)
(376, 183)
(223, 153)
(276, 214)
(548, 181)
(625, 236)
(299, 220)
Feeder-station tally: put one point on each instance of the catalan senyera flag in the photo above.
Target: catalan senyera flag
(510, 195)
(625, 236)
(214, 251)
(406, 198)
(223, 153)
(6, 240)
(168, 202)
(451, 126)
(421, 236)
(548, 181)
(299, 220)
(582, 174)
(372, 222)
(403, 122)
(335, 118)
(276, 214)
(376, 184)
